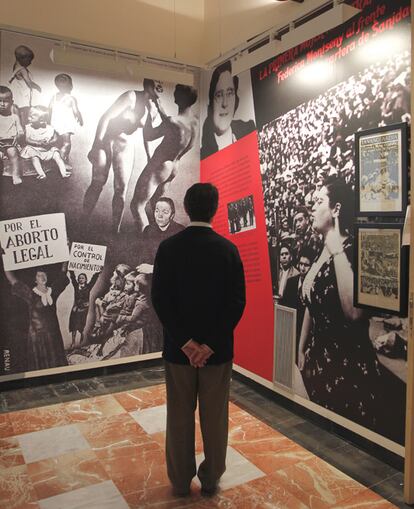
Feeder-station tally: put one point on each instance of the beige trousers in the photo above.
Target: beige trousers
(211, 386)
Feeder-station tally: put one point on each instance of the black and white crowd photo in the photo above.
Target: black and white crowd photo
(308, 177)
(114, 154)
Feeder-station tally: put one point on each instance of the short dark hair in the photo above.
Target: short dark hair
(6, 90)
(23, 49)
(307, 252)
(201, 202)
(341, 192)
(218, 71)
(185, 96)
(169, 201)
(285, 244)
(63, 78)
(302, 210)
(147, 83)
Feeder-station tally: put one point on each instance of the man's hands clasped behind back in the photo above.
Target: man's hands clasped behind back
(197, 354)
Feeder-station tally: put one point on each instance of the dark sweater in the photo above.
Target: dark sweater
(198, 292)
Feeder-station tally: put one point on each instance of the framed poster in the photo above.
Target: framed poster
(381, 171)
(381, 270)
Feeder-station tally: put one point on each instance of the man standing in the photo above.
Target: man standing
(287, 270)
(304, 236)
(292, 296)
(198, 292)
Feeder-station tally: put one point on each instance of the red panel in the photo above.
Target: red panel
(235, 171)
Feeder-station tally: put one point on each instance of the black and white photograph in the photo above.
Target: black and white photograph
(115, 155)
(381, 171)
(241, 216)
(380, 268)
(230, 111)
(312, 142)
(309, 186)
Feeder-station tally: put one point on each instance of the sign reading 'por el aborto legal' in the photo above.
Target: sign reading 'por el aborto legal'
(33, 241)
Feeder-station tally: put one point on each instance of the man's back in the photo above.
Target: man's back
(206, 295)
(198, 292)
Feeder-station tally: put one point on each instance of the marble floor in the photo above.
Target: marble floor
(99, 443)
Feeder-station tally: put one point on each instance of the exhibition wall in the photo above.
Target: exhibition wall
(81, 218)
(80, 232)
(349, 363)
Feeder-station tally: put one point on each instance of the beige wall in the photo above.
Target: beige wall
(229, 23)
(142, 26)
(197, 32)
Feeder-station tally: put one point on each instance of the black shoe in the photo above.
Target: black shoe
(209, 490)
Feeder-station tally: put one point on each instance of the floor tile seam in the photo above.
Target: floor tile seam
(293, 435)
(287, 485)
(38, 500)
(29, 486)
(222, 495)
(301, 462)
(344, 501)
(67, 453)
(71, 421)
(320, 452)
(276, 470)
(64, 404)
(345, 470)
(115, 447)
(283, 441)
(7, 437)
(61, 399)
(261, 418)
(101, 463)
(292, 440)
(376, 485)
(269, 403)
(33, 483)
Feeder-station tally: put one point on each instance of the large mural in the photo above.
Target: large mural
(94, 170)
(309, 102)
(113, 157)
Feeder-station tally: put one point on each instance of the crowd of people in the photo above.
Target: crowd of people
(379, 265)
(308, 177)
(241, 214)
(124, 311)
(382, 286)
(300, 149)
